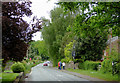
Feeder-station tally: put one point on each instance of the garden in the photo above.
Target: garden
(108, 69)
(76, 31)
(9, 75)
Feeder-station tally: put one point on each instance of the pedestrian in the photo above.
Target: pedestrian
(59, 65)
(63, 64)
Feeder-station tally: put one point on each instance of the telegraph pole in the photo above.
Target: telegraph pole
(110, 36)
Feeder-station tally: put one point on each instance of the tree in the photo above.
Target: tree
(68, 51)
(54, 32)
(16, 33)
(39, 49)
(66, 39)
(108, 13)
(91, 30)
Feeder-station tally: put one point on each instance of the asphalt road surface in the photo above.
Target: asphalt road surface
(45, 73)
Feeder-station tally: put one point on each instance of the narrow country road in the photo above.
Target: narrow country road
(44, 73)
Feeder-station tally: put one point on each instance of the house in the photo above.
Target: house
(111, 43)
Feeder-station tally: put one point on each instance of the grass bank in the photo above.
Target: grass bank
(9, 77)
(96, 74)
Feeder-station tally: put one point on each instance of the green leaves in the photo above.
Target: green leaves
(38, 48)
(53, 33)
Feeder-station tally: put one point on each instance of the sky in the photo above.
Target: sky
(40, 8)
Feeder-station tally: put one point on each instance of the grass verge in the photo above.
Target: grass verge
(0, 77)
(9, 77)
(96, 74)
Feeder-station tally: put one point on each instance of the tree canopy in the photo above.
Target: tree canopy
(16, 33)
(89, 27)
(54, 32)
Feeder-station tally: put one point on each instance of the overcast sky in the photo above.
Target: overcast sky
(40, 8)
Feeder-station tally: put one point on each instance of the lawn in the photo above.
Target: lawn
(96, 74)
(8, 71)
(9, 77)
(0, 77)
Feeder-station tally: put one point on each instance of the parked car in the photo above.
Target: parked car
(45, 64)
(48, 62)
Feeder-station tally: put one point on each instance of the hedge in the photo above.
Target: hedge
(108, 67)
(81, 66)
(18, 67)
(91, 65)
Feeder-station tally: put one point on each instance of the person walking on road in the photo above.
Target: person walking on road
(59, 65)
(63, 64)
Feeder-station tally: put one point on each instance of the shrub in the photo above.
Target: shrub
(81, 66)
(91, 65)
(27, 68)
(18, 67)
(116, 68)
(27, 60)
(106, 66)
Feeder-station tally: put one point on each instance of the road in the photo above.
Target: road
(45, 73)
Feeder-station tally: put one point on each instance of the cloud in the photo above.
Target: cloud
(40, 8)
(37, 36)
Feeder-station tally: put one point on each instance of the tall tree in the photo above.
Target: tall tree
(91, 28)
(16, 33)
(107, 12)
(53, 33)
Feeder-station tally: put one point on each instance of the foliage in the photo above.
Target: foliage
(68, 51)
(66, 39)
(114, 54)
(81, 66)
(90, 31)
(106, 66)
(16, 33)
(64, 60)
(91, 65)
(18, 67)
(9, 77)
(107, 63)
(32, 52)
(37, 50)
(108, 13)
(96, 74)
(90, 48)
(116, 69)
(27, 67)
(54, 31)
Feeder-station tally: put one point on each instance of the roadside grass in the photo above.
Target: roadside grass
(9, 77)
(0, 77)
(27, 69)
(96, 74)
(8, 71)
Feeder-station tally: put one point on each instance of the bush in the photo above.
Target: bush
(18, 67)
(27, 60)
(106, 66)
(91, 65)
(27, 67)
(81, 66)
(116, 68)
